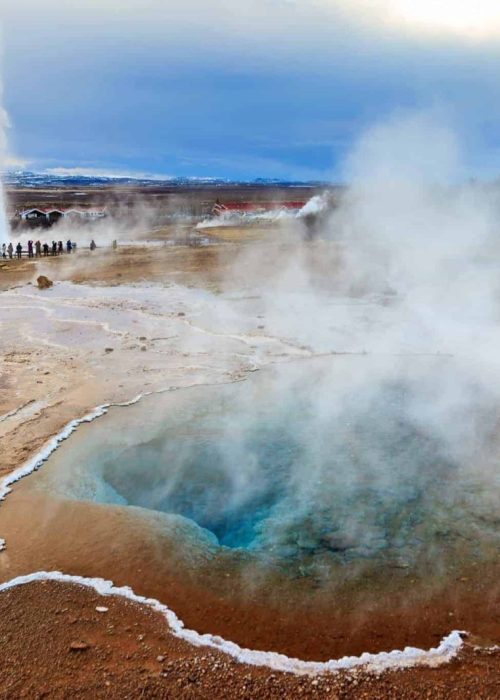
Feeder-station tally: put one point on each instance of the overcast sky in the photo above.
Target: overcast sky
(241, 88)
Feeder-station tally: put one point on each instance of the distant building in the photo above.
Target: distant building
(219, 208)
(35, 215)
(48, 216)
(86, 214)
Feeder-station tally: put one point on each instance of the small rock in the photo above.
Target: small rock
(43, 282)
(79, 646)
(102, 609)
(160, 659)
(108, 349)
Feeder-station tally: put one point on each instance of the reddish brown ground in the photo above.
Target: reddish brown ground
(128, 652)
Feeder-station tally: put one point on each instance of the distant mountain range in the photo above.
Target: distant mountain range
(24, 178)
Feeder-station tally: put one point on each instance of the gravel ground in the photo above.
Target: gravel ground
(56, 643)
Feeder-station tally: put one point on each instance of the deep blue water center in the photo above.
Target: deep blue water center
(346, 459)
(193, 477)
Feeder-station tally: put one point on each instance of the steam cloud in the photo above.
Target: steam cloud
(4, 229)
(404, 276)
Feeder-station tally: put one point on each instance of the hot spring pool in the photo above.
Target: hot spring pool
(313, 464)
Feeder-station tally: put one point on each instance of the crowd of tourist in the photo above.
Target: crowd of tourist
(37, 249)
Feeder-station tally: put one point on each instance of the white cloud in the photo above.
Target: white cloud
(481, 17)
(478, 18)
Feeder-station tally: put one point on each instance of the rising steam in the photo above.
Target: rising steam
(4, 229)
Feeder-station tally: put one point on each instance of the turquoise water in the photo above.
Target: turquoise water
(339, 460)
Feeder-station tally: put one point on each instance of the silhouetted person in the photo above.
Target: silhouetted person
(19, 250)
(74, 246)
(45, 249)
(4, 250)
(38, 249)
(10, 250)
(69, 245)
(92, 245)
(30, 249)
(60, 248)
(54, 248)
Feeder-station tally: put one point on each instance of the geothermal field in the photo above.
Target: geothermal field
(280, 435)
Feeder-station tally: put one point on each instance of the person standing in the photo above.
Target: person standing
(60, 248)
(38, 249)
(45, 250)
(54, 248)
(93, 245)
(69, 245)
(10, 250)
(19, 250)
(4, 251)
(30, 249)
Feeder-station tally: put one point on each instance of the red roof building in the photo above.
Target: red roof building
(254, 207)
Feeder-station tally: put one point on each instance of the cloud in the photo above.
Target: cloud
(148, 85)
(479, 19)
(251, 23)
